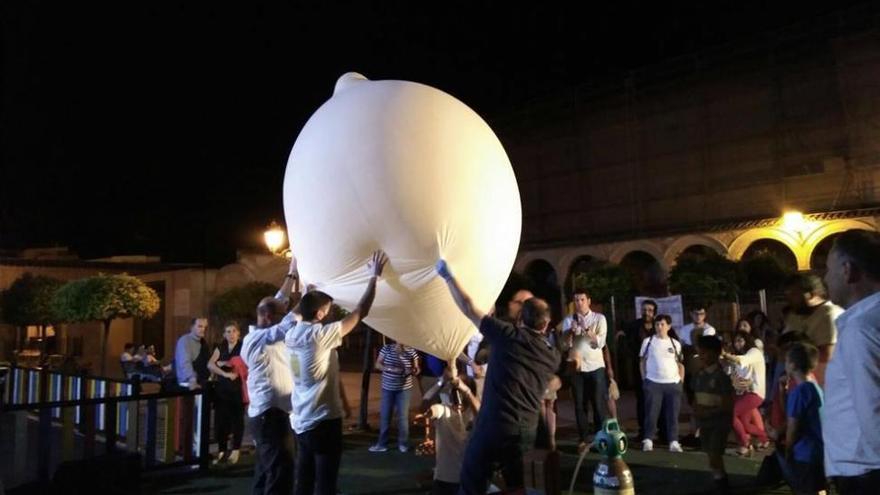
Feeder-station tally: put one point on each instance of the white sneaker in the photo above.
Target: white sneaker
(674, 446)
(647, 445)
(233, 457)
(403, 448)
(378, 448)
(221, 457)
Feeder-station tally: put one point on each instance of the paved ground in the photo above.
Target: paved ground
(365, 473)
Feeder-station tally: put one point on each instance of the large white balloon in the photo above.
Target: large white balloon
(407, 168)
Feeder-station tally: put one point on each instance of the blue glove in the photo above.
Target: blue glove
(443, 269)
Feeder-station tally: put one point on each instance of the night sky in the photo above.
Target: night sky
(164, 128)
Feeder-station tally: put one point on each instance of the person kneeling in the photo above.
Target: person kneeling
(452, 419)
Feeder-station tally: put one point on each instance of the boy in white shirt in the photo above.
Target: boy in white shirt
(663, 373)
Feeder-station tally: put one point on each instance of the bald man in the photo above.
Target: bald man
(522, 362)
(269, 385)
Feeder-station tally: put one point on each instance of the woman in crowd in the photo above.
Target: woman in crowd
(745, 325)
(398, 364)
(749, 378)
(229, 406)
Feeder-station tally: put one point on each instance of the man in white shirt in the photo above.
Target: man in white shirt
(698, 327)
(269, 386)
(815, 316)
(317, 404)
(852, 381)
(586, 332)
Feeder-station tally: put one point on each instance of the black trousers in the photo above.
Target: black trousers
(228, 418)
(858, 485)
(590, 390)
(486, 451)
(273, 471)
(317, 463)
(640, 400)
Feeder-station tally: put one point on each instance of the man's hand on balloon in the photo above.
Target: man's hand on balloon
(377, 263)
(443, 269)
(293, 268)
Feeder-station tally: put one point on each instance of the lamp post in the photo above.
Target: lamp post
(794, 221)
(274, 238)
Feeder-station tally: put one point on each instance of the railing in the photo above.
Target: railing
(72, 414)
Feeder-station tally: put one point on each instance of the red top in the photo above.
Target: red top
(241, 370)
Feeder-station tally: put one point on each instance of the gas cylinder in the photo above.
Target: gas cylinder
(612, 475)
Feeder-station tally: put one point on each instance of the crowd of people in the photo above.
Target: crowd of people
(806, 389)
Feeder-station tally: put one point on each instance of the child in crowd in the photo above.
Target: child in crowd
(802, 464)
(662, 370)
(452, 420)
(713, 407)
(782, 383)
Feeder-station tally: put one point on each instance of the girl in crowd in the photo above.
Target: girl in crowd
(749, 378)
(745, 325)
(229, 406)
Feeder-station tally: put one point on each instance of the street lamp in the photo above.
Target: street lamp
(274, 237)
(794, 221)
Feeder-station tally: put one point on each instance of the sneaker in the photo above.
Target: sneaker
(674, 446)
(233, 457)
(403, 448)
(221, 457)
(378, 448)
(647, 445)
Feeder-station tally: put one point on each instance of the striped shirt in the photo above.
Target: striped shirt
(398, 367)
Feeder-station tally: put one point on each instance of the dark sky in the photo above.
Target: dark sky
(164, 127)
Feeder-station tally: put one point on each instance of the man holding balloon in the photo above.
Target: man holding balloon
(521, 364)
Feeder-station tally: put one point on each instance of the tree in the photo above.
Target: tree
(239, 304)
(28, 301)
(705, 279)
(105, 298)
(604, 281)
(764, 271)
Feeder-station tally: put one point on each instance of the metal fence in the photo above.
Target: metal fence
(50, 418)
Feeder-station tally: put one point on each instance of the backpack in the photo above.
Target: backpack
(678, 355)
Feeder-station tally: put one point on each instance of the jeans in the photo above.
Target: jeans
(273, 471)
(590, 389)
(320, 452)
(668, 397)
(485, 451)
(747, 419)
(394, 399)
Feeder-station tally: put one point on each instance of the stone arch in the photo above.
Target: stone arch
(649, 247)
(782, 252)
(739, 245)
(686, 241)
(567, 260)
(545, 277)
(583, 260)
(829, 229)
(646, 271)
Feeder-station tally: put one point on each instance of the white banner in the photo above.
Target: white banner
(671, 306)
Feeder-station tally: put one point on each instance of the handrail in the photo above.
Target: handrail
(67, 374)
(98, 400)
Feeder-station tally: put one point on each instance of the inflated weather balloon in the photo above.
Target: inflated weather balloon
(407, 168)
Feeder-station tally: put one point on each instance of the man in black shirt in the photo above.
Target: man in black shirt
(634, 334)
(520, 366)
